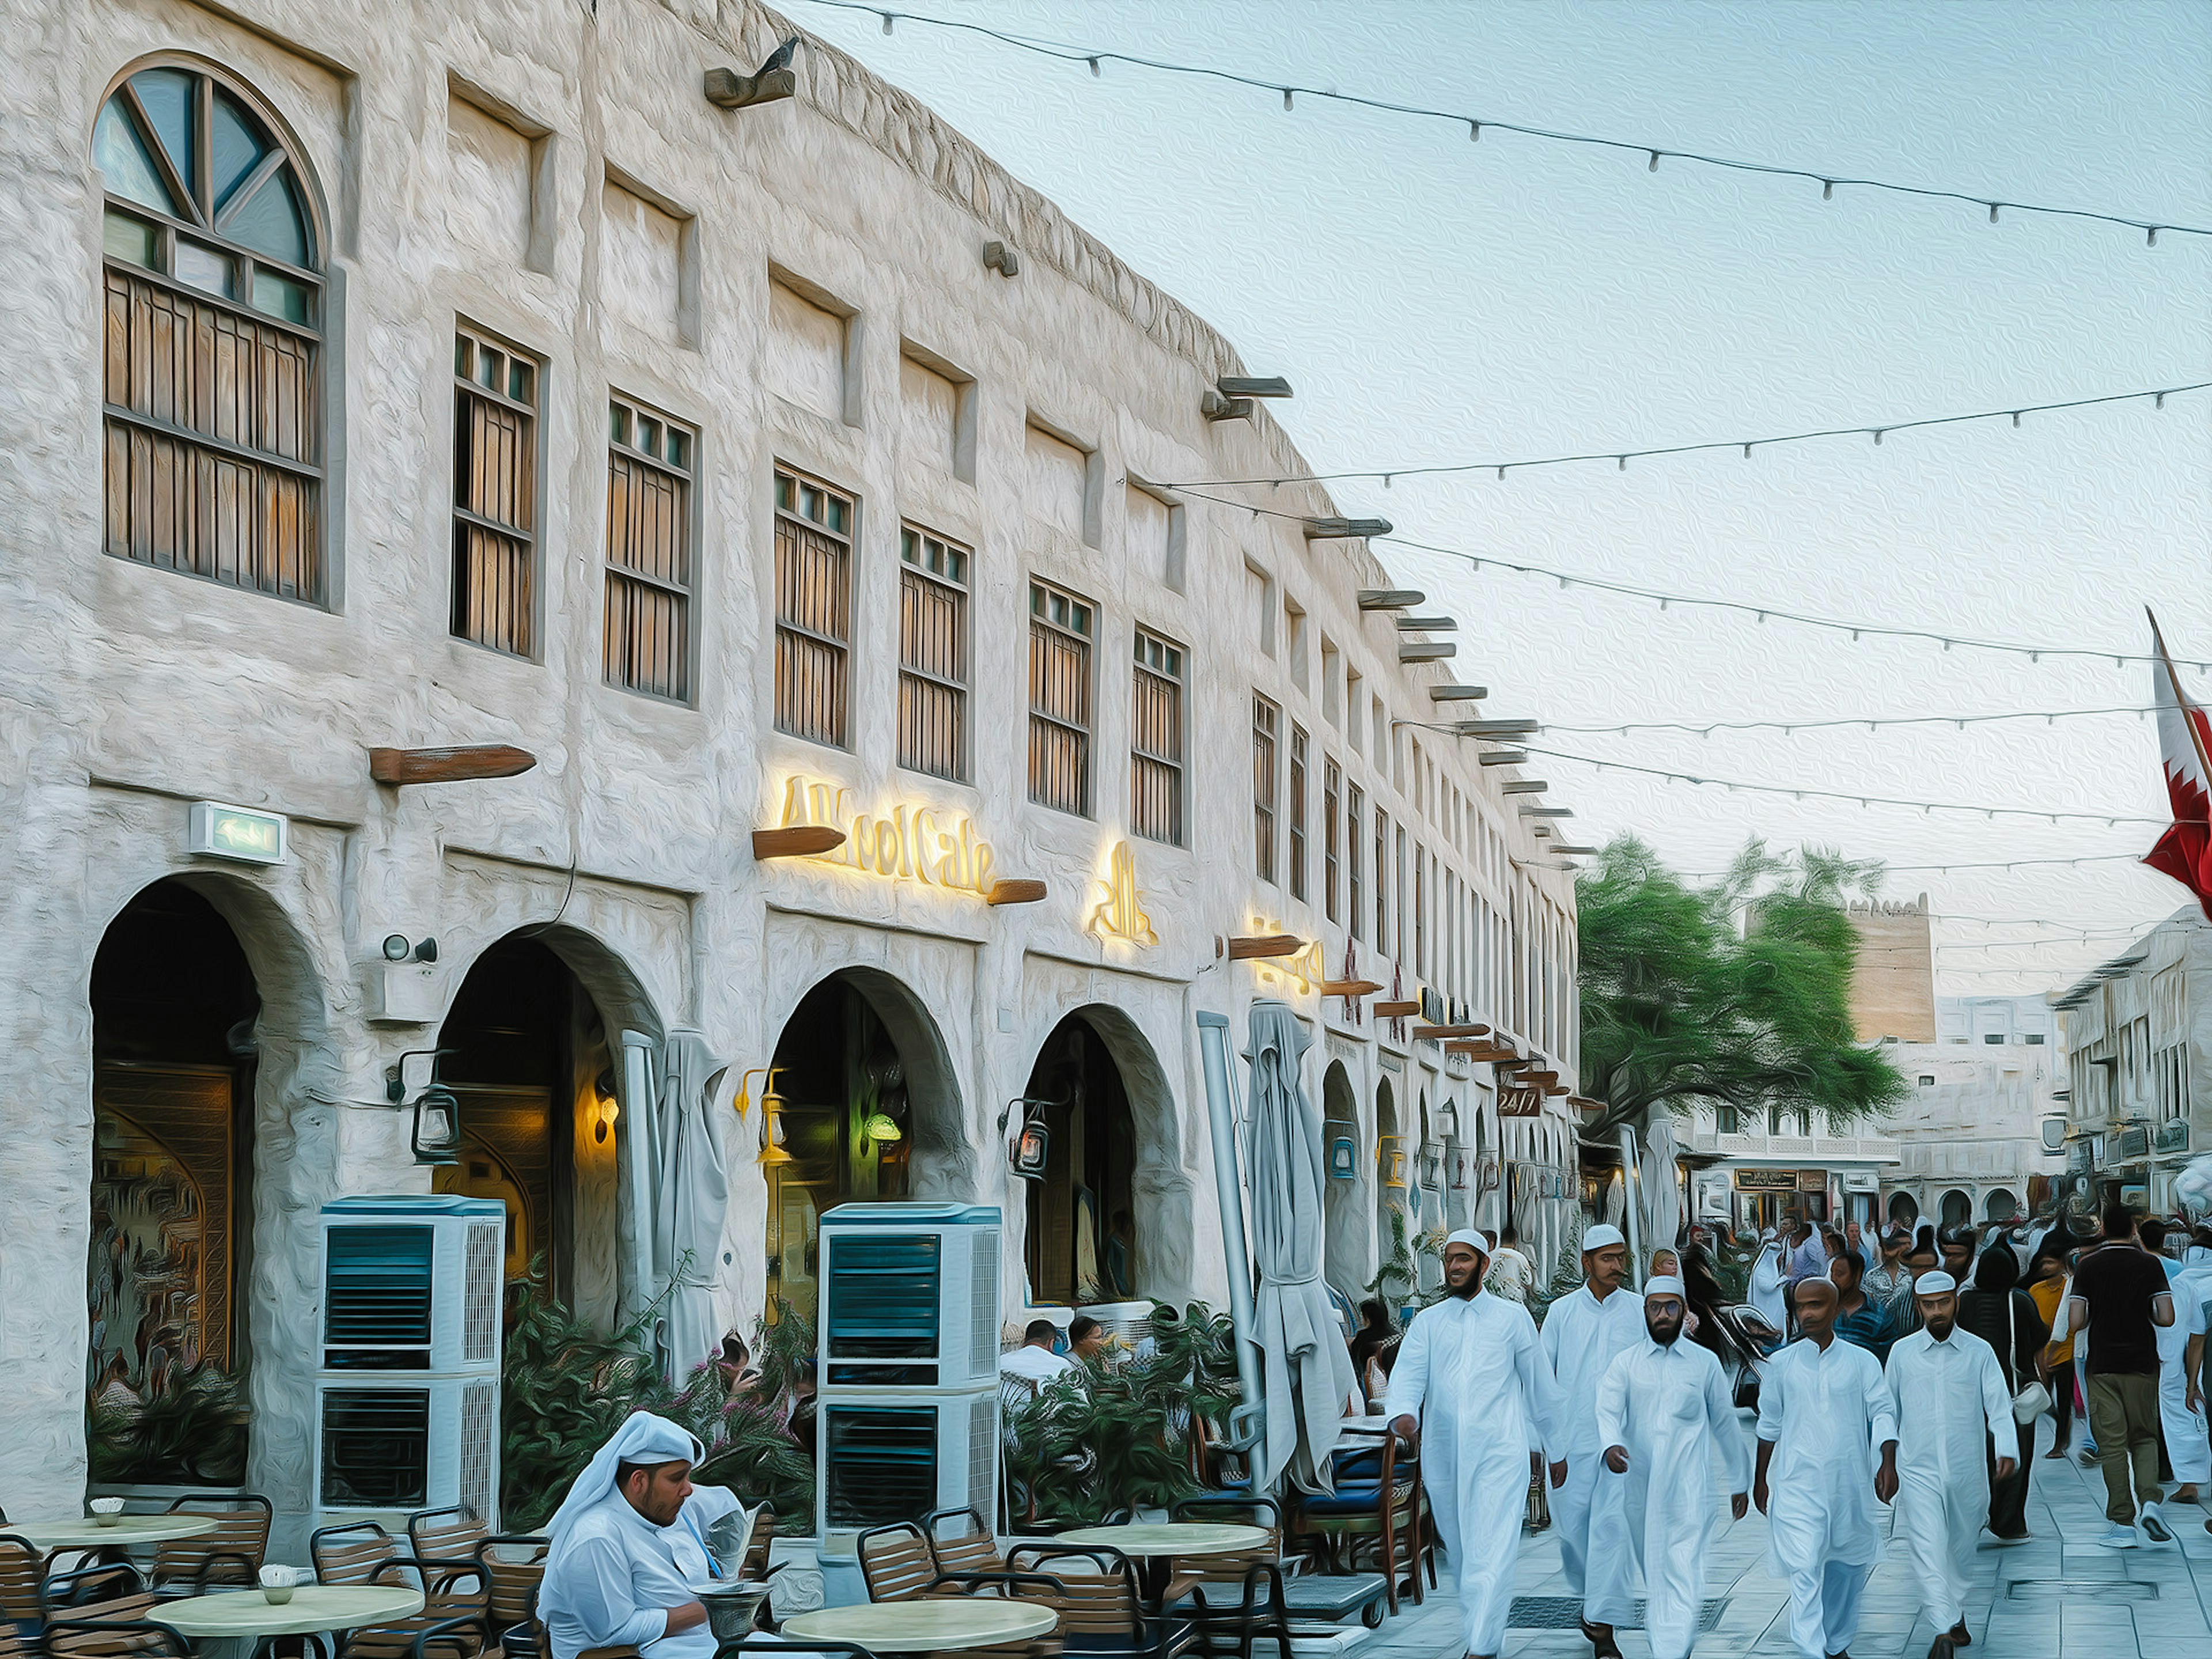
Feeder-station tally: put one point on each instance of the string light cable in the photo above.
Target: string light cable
(2112, 820)
(1956, 864)
(1651, 154)
(1621, 458)
(1707, 728)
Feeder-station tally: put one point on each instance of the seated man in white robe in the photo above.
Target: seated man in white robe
(612, 1574)
(1663, 1409)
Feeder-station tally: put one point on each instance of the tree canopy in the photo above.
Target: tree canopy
(1736, 993)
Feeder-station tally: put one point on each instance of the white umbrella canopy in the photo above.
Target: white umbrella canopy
(1307, 1369)
(1661, 1191)
(691, 1193)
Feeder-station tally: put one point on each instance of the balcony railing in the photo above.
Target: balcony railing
(1815, 1149)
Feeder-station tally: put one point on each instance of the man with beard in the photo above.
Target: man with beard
(1823, 1407)
(1663, 1408)
(1472, 1381)
(1585, 1332)
(1949, 1390)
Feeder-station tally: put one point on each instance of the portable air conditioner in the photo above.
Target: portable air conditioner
(388, 1445)
(906, 1414)
(413, 1284)
(909, 1297)
(407, 1397)
(880, 1461)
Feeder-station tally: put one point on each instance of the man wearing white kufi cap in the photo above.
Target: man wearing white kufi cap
(612, 1577)
(1585, 1332)
(1949, 1391)
(1663, 1410)
(1472, 1381)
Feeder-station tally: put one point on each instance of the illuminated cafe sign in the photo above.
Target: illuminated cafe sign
(1765, 1181)
(906, 843)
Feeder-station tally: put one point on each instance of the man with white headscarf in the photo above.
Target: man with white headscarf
(1823, 1407)
(1471, 1381)
(1770, 1272)
(1663, 1410)
(1585, 1332)
(613, 1576)
(1950, 1393)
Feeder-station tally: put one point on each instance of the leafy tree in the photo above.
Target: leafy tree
(1735, 992)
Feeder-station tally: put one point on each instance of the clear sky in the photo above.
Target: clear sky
(1433, 300)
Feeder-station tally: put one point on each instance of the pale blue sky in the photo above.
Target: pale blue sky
(1434, 299)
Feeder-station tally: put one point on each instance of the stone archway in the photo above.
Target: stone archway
(1956, 1208)
(1114, 1155)
(861, 1105)
(214, 1089)
(1902, 1210)
(2000, 1204)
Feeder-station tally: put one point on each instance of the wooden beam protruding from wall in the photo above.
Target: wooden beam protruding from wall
(398, 768)
(799, 841)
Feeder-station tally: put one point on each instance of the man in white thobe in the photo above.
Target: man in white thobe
(613, 1575)
(1823, 1408)
(1663, 1408)
(1949, 1392)
(1583, 1334)
(1471, 1382)
(2180, 1397)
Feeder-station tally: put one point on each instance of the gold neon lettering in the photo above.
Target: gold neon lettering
(907, 843)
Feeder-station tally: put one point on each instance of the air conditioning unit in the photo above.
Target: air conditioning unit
(909, 1297)
(413, 1283)
(882, 1461)
(386, 1445)
(407, 1399)
(907, 1417)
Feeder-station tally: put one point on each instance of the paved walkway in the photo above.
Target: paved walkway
(2057, 1596)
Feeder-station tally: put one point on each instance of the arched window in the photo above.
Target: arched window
(212, 380)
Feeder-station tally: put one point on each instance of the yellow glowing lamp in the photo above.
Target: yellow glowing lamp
(880, 1128)
(766, 1074)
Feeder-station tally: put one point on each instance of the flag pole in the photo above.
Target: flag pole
(2181, 703)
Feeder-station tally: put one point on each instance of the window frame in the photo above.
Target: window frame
(686, 594)
(1266, 784)
(1295, 806)
(208, 225)
(467, 388)
(1332, 834)
(1086, 735)
(1355, 824)
(962, 588)
(1178, 765)
(849, 537)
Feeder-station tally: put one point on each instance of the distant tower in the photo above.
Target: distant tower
(1894, 981)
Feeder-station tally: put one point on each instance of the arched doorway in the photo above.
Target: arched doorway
(2000, 1206)
(1343, 1220)
(1957, 1209)
(174, 1002)
(1903, 1211)
(536, 1061)
(861, 1105)
(1080, 1245)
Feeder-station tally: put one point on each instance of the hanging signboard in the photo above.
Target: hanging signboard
(1812, 1181)
(1767, 1180)
(1520, 1103)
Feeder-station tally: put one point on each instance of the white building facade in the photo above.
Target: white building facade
(2138, 1040)
(384, 382)
(1981, 1135)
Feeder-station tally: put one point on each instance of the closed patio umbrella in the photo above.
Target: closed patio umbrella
(691, 1193)
(1308, 1370)
(1662, 1190)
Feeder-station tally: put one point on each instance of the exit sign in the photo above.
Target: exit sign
(239, 832)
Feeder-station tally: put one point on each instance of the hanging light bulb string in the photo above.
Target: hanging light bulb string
(1961, 864)
(2110, 819)
(1707, 728)
(1776, 613)
(1621, 458)
(1095, 57)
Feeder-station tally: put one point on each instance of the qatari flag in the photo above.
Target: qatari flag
(2184, 852)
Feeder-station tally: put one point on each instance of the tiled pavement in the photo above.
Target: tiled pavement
(2057, 1596)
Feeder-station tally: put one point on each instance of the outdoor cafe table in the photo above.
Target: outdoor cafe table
(226, 1626)
(128, 1530)
(1158, 1543)
(930, 1625)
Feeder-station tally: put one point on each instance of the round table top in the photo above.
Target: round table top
(87, 1534)
(1157, 1538)
(929, 1625)
(312, 1608)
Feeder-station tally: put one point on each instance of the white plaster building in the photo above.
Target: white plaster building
(2138, 1040)
(1971, 1135)
(399, 379)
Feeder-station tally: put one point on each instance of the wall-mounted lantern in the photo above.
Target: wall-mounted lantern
(605, 1110)
(1031, 1146)
(1343, 1160)
(437, 1137)
(1391, 1159)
